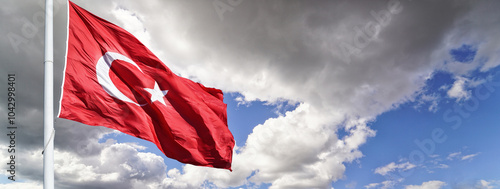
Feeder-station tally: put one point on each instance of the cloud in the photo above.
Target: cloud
(133, 24)
(17, 185)
(116, 165)
(483, 184)
(443, 166)
(458, 90)
(432, 99)
(433, 184)
(384, 170)
(453, 155)
(351, 184)
(372, 185)
(478, 184)
(470, 156)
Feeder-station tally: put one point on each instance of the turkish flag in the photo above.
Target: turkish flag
(112, 80)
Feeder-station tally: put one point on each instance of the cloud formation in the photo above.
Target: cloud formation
(433, 184)
(458, 90)
(384, 185)
(384, 170)
(458, 155)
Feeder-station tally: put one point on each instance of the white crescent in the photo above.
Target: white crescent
(102, 70)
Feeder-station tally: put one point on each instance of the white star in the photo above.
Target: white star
(157, 94)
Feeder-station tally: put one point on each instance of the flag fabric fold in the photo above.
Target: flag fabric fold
(112, 80)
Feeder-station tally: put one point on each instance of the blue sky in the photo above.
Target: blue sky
(331, 94)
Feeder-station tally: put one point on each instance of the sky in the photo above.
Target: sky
(320, 94)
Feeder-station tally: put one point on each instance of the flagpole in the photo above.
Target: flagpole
(48, 101)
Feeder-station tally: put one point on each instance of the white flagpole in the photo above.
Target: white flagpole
(48, 101)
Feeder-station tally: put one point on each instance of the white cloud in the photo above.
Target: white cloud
(458, 90)
(384, 170)
(432, 101)
(460, 156)
(372, 185)
(482, 184)
(453, 155)
(18, 185)
(117, 165)
(384, 185)
(352, 184)
(131, 22)
(433, 106)
(433, 184)
(443, 166)
(470, 156)
(490, 184)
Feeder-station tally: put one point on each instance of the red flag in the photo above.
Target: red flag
(112, 80)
